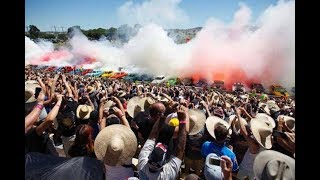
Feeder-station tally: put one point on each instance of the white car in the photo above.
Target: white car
(238, 86)
(159, 79)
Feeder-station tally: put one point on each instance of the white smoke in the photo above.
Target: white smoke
(163, 12)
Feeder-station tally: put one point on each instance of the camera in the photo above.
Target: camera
(215, 161)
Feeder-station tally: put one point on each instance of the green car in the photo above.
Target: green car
(173, 81)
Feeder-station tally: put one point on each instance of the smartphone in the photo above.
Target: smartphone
(276, 133)
(36, 94)
(214, 161)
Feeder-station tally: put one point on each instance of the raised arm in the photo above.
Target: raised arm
(33, 116)
(53, 85)
(121, 116)
(50, 117)
(182, 136)
(67, 86)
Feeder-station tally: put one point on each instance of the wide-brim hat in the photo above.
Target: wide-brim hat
(137, 104)
(270, 164)
(265, 107)
(272, 105)
(290, 121)
(83, 111)
(108, 104)
(211, 123)
(270, 121)
(115, 144)
(121, 94)
(162, 98)
(197, 121)
(90, 89)
(261, 131)
(245, 97)
(30, 89)
(237, 122)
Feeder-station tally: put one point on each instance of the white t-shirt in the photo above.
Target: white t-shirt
(169, 171)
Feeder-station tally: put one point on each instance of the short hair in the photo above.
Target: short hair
(221, 132)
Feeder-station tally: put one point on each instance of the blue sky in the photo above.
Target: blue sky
(103, 13)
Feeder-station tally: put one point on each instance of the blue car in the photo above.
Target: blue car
(95, 73)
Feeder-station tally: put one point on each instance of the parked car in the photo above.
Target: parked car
(201, 83)
(119, 75)
(278, 90)
(86, 71)
(238, 87)
(95, 73)
(107, 74)
(159, 79)
(132, 77)
(217, 84)
(258, 87)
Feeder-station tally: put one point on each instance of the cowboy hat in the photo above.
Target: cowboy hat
(137, 104)
(108, 104)
(270, 164)
(237, 122)
(261, 131)
(211, 123)
(290, 121)
(269, 119)
(115, 144)
(30, 89)
(272, 105)
(90, 89)
(245, 97)
(83, 111)
(197, 121)
(121, 94)
(264, 107)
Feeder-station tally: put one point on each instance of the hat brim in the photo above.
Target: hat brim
(256, 124)
(286, 119)
(103, 142)
(198, 123)
(211, 123)
(269, 119)
(237, 123)
(132, 103)
(87, 116)
(265, 156)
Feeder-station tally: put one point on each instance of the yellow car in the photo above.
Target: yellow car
(279, 91)
(107, 74)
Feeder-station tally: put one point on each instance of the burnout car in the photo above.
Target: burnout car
(86, 71)
(187, 81)
(201, 83)
(119, 75)
(145, 78)
(173, 81)
(159, 79)
(132, 77)
(107, 74)
(238, 87)
(278, 90)
(217, 84)
(258, 87)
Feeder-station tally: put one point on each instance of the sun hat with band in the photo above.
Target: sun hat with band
(197, 121)
(261, 131)
(83, 112)
(137, 104)
(115, 145)
(212, 122)
(270, 164)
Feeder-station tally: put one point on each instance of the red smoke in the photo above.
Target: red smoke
(54, 55)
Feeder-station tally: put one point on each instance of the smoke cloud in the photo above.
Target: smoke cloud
(163, 12)
(261, 51)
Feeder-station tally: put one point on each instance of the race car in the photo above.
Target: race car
(95, 73)
(86, 71)
(201, 83)
(258, 87)
(238, 87)
(159, 79)
(119, 75)
(173, 81)
(278, 90)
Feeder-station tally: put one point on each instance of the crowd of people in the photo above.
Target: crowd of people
(80, 127)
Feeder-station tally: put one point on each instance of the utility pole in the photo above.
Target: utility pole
(55, 30)
(62, 28)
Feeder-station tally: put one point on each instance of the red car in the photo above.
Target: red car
(51, 68)
(86, 71)
(68, 69)
(119, 75)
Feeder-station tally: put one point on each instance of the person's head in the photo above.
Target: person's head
(112, 119)
(94, 116)
(84, 134)
(221, 132)
(157, 157)
(157, 110)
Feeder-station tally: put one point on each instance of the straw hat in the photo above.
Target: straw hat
(290, 121)
(137, 104)
(83, 111)
(237, 123)
(272, 105)
(197, 121)
(245, 97)
(211, 123)
(108, 104)
(121, 94)
(261, 131)
(115, 144)
(90, 89)
(269, 120)
(270, 164)
(30, 88)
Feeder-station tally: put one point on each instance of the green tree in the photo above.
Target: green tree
(33, 32)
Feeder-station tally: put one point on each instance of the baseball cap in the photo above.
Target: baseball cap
(157, 157)
(212, 171)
